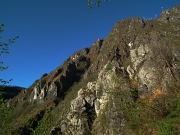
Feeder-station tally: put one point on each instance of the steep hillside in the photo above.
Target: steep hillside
(11, 91)
(124, 84)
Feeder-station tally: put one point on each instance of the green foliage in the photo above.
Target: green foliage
(169, 125)
(4, 49)
(157, 115)
(166, 127)
(43, 126)
(97, 3)
(108, 67)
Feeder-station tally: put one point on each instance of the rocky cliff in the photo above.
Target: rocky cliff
(99, 90)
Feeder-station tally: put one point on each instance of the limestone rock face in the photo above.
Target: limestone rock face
(152, 62)
(91, 103)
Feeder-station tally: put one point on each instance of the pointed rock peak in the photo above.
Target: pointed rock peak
(170, 15)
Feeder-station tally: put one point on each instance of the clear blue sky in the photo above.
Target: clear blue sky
(51, 30)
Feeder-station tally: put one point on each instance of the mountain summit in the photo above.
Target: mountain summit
(126, 83)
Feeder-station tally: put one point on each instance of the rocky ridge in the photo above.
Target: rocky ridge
(137, 58)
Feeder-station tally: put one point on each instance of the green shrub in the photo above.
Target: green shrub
(108, 67)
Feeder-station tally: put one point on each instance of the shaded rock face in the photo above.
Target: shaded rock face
(146, 52)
